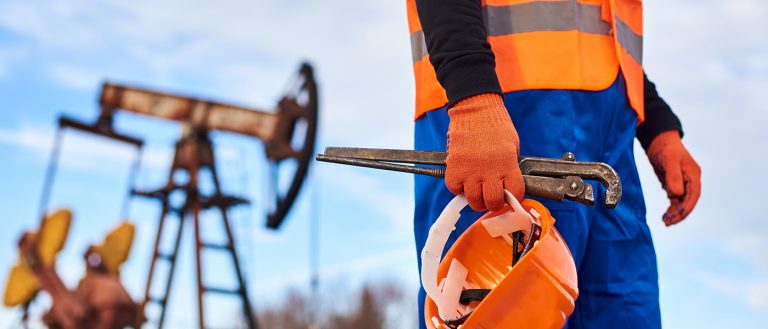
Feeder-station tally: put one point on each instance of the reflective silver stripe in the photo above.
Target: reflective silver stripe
(629, 40)
(545, 16)
(418, 46)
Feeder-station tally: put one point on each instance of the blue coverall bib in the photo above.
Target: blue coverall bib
(612, 248)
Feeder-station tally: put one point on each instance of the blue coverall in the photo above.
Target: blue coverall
(612, 248)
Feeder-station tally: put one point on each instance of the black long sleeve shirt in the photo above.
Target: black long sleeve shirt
(459, 51)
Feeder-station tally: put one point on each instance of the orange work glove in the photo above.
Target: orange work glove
(483, 151)
(679, 174)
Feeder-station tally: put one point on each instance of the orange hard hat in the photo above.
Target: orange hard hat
(509, 269)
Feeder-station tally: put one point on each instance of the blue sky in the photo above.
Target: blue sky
(708, 58)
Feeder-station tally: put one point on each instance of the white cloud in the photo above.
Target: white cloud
(748, 245)
(242, 49)
(31, 138)
(81, 152)
(76, 78)
(713, 55)
(378, 193)
(9, 55)
(68, 25)
(710, 65)
(753, 293)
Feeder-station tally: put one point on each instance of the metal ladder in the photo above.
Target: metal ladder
(193, 154)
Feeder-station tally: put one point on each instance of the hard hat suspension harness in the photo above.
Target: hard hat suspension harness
(511, 227)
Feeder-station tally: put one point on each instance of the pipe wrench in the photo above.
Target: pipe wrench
(554, 179)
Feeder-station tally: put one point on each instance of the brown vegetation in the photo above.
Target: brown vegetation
(377, 305)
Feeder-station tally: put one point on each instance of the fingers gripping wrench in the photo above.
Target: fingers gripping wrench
(555, 179)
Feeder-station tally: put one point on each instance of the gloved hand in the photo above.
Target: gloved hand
(679, 174)
(483, 151)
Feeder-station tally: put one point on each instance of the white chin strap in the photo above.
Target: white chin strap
(447, 292)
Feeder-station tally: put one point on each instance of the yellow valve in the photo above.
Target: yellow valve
(49, 239)
(52, 235)
(21, 287)
(116, 247)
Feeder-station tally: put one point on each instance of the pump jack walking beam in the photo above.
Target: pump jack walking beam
(288, 131)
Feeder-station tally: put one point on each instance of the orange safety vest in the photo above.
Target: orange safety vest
(546, 44)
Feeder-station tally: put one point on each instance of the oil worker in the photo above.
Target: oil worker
(500, 78)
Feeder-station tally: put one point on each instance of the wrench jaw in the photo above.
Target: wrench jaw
(579, 191)
(589, 196)
(559, 189)
(609, 178)
(568, 167)
(612, 185)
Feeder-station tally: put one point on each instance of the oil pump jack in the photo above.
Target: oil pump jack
(194, 153)
(288, 134)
